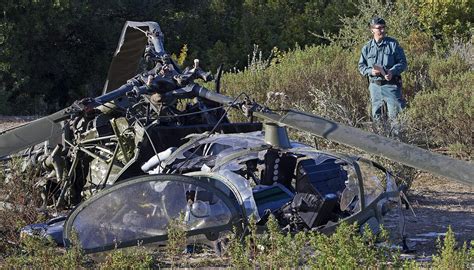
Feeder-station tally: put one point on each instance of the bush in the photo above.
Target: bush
(449, 257)
(20, 198)
(176, 243)
(270, 249)
(447, 67)
(320, 79)
(398, 16)
(442, 117)
(416, 78)
(323, 80)
(348, 249)
(131, 258)
(344, 249)
(40, 253)
(446, 19)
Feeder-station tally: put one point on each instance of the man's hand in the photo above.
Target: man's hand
(389, 75)
(375, 72)
(379, 70)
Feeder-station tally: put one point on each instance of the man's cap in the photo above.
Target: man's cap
(376, 20)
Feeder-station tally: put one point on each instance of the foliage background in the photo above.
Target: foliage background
(305, 52)
(54, 52)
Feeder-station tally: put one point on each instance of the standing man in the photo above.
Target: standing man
(383, 60)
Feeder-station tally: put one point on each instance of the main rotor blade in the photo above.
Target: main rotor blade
(33, 133)
(375, 144)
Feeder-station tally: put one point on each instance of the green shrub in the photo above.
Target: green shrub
(447, 18)
(270, 249)
(319, 79)
(239, 249)
(236, 252)
(448, 67)
(348, 249)
(130, 258)
(323, 80)
(176, 243)
(20, 199)
(443, 116)
(449, 257)
(416, 78)
(40, 253)
(278, 250)
(398, 15)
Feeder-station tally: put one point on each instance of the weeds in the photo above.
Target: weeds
(19, 198)
(284, 251)
(451, 258)
(347, 248)
(238, 253)
(40, 253)
(176, 244)
(131, 258)
(270, 249)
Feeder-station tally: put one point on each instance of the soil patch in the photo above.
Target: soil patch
(438, 203)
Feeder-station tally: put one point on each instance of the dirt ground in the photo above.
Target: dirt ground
(437, 204)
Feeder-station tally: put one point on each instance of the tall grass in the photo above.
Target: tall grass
(347, 248)
(20, 198)
(176, 244)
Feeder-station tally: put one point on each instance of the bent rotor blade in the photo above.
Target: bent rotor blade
(375, 144)
(35, 132)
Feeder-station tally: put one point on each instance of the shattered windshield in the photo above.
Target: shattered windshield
(144, 209)
(372, 181)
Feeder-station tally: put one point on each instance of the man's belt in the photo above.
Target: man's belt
(394, 80)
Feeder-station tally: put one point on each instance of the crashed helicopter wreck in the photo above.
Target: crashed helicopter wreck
(130, 161)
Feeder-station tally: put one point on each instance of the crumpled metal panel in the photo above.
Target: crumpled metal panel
(128, 53)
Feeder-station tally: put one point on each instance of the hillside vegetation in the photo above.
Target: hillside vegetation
(301, 55)
(54, 52)
(324, 80)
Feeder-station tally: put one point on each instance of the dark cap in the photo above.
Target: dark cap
(377, 20)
